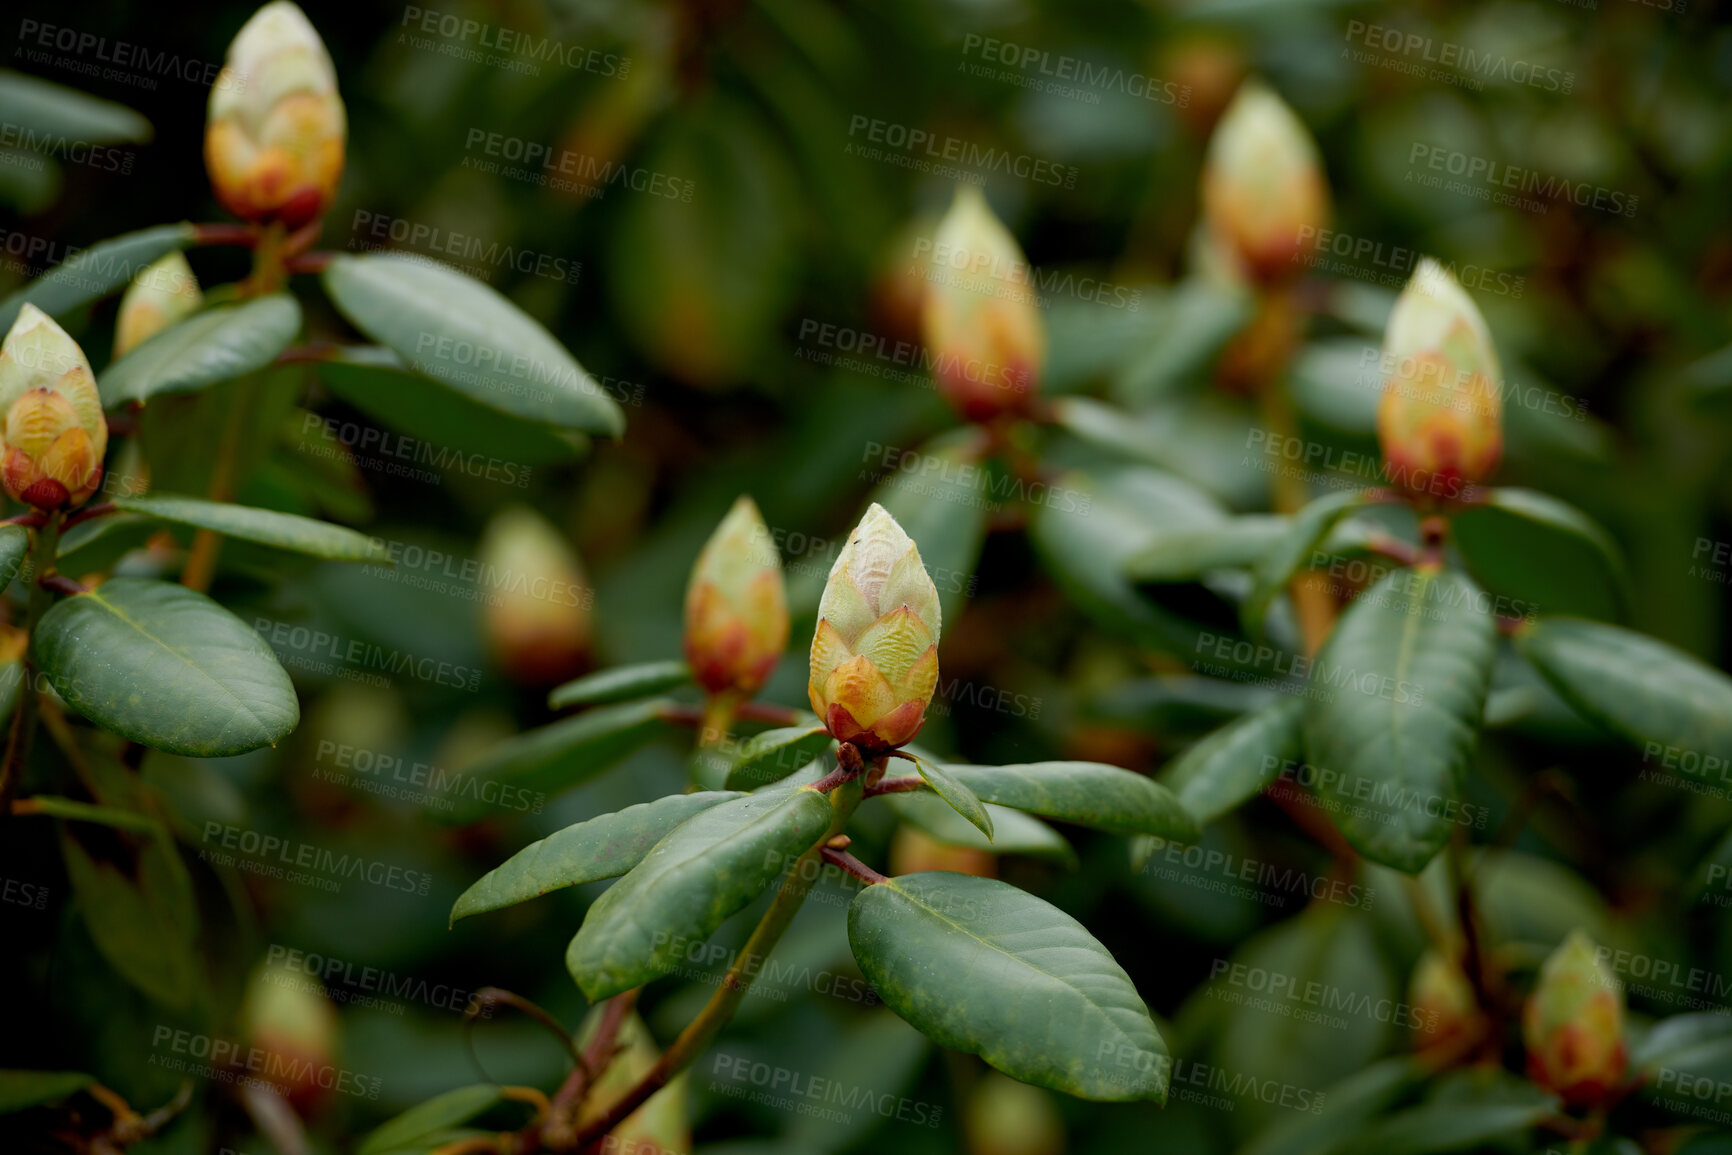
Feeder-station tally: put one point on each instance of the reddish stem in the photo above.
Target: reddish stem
(90, 513)
(246, 236)
(851, 865)
(308, 262)
(897, 785)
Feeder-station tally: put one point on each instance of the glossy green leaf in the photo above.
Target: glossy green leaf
(1542, 554)
(1682, 1056)
(14, 548)
(705, 870)
(1291, 552)
(1470, 1110)
(452, 327)
(1013, 832)
(621, 684)
(959, 797)
(167, 667)
(567, 752)
(1641, 689)
(774, 754)
(137, 902)
(264, 526)
(436, 1115)
(54, 806)
(1401, 687)
(1091, 794)
(1186, 554)
(1342, 1110)
(95, 272)
(1232, 765)
(603, 847)
(980, 966)
(22, 1089)
(447, 429)
(217, 344)
(37, 108)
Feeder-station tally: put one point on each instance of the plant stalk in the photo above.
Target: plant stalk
(43, 552)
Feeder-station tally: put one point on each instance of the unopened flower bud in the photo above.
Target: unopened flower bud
(163, 294)
(1446, 1014)
(875, 652)
(538, 605)
(1005, 1117)
(53, 434)
(980, 316)
(736, 610)
(1440, 420)
(274, 143)
(1573, 1026)
(1263, 185)
(288, 1019)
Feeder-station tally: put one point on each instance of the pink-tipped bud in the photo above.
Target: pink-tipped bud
(1264, 189)
(736, 609)
(1573, 1026)
(164, 294)
(54, 434)
(538, 606)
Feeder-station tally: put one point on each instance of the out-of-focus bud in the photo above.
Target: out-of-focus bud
(1440, 420)
(1263, 185)
(660, 1126)
(875, 652)
(1204, 69)
(1446, 1014)
(274, 142)
(1573, 1025)
(164, 293)
(912, 851)
(54, 434)
(980, 317)
(287, 1016)
(538, 611)
(736, 610)
(1005, 1117)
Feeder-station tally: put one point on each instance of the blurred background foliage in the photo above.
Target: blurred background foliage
(702, 316)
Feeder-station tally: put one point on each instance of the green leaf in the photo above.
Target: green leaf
(1543, 554)
(217, 344)
(1290, 553)
(708, 868)
(980, 966)
(37, 108)
(167, 667)
(1402, 684)
(14, 548)
(774, 754)
(621, 684)
(70, 808)
(22, 1089)
(566, 753)
(1469, 1110)
(437, 1114)
(95, 272)
(1232, 765)
(264, 526)
(1681, 1055)
(1639, 688)
(959, 797)
(1090, 794)
(137, 901)
(449, 428)
(603, 847)
(1013, 832)
(452, 327)
(1186, 554)
(1342, 1111)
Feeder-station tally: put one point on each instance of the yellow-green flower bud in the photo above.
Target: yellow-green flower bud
(1440, 420)
(736, 609)
(1446, 1014)
(163, 294)
(274, 143)
(54, 434)
(1263, 185)
(980, 316)
(1573, 1025)
(538, 603)
(288, 1018)
(875, 652)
